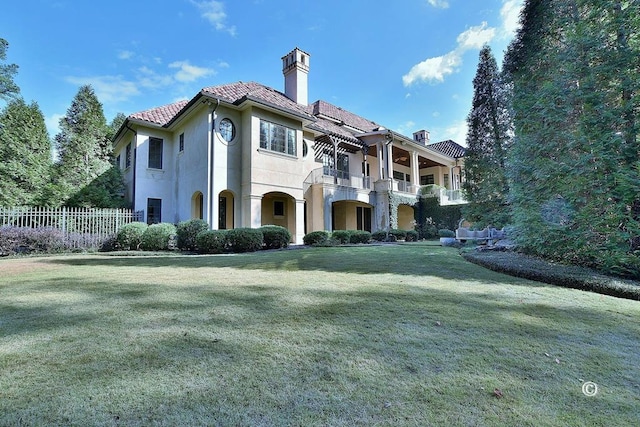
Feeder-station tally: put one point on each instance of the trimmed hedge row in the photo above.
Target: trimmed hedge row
(338, 237)
(527, 267)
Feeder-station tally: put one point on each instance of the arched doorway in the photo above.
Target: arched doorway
(279, 209)
(197, 203)
(225, 210)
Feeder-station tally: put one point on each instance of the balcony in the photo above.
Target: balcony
(446, 197)
(326, 175)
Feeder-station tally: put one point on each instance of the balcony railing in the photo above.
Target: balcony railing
(327, 175)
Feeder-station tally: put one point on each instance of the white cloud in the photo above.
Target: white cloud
(109, 89)
(437, 68)
(148, 78)
(213, 11)
(457, 131)
(188, 73)
(510, 14)
(406, 128)
(125, 54)
(443, 4)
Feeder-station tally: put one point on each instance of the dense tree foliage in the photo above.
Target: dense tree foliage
(85, 173)
(488, 140)
(574, 169)
(8, 88)
(25, 153)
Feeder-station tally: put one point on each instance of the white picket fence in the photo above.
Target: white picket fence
(82, 227)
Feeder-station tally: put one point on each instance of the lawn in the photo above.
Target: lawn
(378, 335)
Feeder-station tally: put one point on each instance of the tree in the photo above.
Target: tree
(84, 149)
(488, 139)
(115, 125)
(8, 88)
(574, 171)
(25, 151)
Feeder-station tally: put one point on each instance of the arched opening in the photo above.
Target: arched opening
(197, 203)
(405, 217)
(279, 209)
(225, 210)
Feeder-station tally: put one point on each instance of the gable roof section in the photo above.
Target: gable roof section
(237, 93)
(448, 148)
(160, 115)
(346, 118)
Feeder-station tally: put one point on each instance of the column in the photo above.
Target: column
(298, 238)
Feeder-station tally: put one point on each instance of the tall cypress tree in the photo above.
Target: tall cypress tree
(8, 88)
(83, 145)
(25, 154)
(488, 139)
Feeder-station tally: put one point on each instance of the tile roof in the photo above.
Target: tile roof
(236, 93)
(448, 148)
(160, 115)
(323, 108)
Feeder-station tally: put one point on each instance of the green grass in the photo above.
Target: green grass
(384, 335)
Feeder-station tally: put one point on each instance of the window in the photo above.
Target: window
(363, 218)
(181, 144)
(154, 211)
(222, 213)
(127, 158)
(342, 168)
(427, 180)
(446, 181)
(118, 159)
(278, 208)
(155, 153)
(277, 138)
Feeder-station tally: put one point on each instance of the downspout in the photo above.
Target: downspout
(135, 163)
(210, 163)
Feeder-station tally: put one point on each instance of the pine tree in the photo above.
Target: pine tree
(8, 88)
(488, 139)
(85, 175)
(25, 153)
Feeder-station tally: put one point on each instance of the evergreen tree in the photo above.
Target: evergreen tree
(488, 139)
(85, 155)
(573, 168)
(8, 88)
(25, 153)
(115, 125)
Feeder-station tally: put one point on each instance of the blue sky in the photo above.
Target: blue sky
(407, 65)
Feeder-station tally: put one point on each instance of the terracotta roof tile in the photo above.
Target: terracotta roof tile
(323, 108)
(160, 115)
(448, 148)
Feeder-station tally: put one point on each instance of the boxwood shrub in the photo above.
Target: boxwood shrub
(341, 236)
(187, 231)
(212, 241)
(360, 236)
(316, 238)
(275, 236)
(245, 239)
(398, 234)
(159, 237)
(129, 237)
(19, 240)
(412, 236)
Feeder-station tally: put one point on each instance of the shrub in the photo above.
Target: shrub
(412, 236)
(212, 241)
(398, 234)
(341, 236)
(14, 240)
(187, 231)
(129, 237)
(443, 232)
(275, 237)
(245, 239)
(379, 236)
(158, 237)
(360, 236)
(315, 238)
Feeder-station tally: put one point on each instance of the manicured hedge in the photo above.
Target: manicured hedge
(341, 236)
(129, 237)
(212, 241)
(158, 237)
(359, 236)
(245, 239)
(187, 232)
(531, 268)
(316, 238)
(412, 236)
(275, 236)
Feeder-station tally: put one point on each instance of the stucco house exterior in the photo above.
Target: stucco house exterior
(245, 155)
